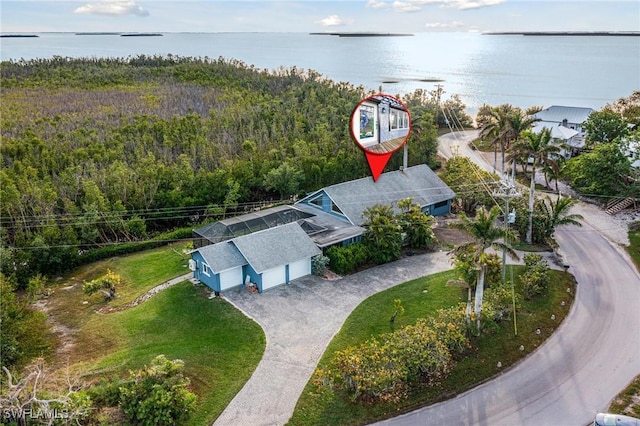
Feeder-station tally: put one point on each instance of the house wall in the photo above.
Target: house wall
(210, 279)
(326, 205)
(253, 276)
(438, 209)
(385, 123)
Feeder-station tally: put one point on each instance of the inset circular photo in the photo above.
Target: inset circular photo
(380, 124)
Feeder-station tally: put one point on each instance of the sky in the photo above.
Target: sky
(26, 16)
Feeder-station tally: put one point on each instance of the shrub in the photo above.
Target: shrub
(157, 394)
(345, 260)
(106, 284)
(385, 370)
(535, 279)
(319, 264)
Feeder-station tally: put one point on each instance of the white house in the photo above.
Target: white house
(566, 124)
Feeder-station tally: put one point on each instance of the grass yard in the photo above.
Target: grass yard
(218, 344)
(627, 402)
(420, 297)
(140, 272)
(634, 245)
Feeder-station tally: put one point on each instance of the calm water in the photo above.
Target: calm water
(524, 71)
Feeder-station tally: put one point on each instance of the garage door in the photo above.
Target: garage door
(273, 277)
(299, 269)
(230, 278)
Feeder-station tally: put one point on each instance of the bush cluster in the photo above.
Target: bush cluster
(387, 368)
(345, 260)
(535, 279)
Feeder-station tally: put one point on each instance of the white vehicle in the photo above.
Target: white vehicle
(607, 419)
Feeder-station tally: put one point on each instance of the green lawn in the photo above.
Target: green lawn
(627, 402)
(218, 344)
(140, 272)
(420, 297)
(634, 246)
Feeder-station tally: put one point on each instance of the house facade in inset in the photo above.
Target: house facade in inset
(380, 124)
(274, 246)
(566, 125)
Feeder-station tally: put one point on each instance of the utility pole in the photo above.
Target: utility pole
(439, 91)
(507, 190)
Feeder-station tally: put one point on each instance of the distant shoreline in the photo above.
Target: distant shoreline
(19, 35)
(141, 35)
(97, 33)
(364, 34)
(568, 33)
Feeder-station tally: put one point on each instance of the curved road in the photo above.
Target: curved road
(581, 367)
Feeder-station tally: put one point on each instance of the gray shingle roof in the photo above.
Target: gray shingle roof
(222, 256)
(557, 114)
(277, 246)
(417, 182)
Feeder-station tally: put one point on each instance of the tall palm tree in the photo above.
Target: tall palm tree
(497, 130)
(556, 213)
(539, 149)
(518, 122)
(485, 234)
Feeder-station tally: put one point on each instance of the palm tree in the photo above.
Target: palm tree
(519, 121)
(538, 149)
(556, 213)
(496, 131)
(486, 234)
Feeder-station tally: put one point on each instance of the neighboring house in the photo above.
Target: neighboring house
(566, 124)
(274, 246)
(380, 124)
(266, 258)
(562, 136)
(633, 152)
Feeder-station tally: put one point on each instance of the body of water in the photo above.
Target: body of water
(588, 71)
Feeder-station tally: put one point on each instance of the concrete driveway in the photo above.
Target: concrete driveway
(299, 320)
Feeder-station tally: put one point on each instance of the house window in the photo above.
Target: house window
(398, 120)
(317, 201)
(205, 269)
(335, 208)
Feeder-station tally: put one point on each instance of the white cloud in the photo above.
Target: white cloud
(461, 4)
(405, 6)
(112, 8)
(375, 4)
(474, 4)
(454, 24)
(331, 21)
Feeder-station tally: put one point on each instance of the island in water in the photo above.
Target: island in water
(364, 34)
(568, 33)
(19, 35)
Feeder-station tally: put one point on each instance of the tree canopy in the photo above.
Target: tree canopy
(102, 151)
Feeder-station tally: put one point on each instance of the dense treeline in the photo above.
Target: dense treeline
(102, 151)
